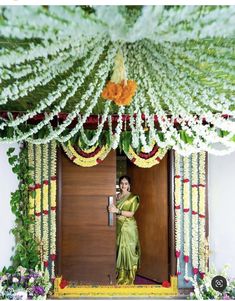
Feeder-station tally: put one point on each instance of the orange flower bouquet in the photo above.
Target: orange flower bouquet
(119, 89)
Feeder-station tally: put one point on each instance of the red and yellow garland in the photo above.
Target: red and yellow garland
(146, 160)
(43, 204)
(86, 158)
(190, 170)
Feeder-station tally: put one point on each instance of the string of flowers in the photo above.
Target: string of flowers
(24, 136)
(74, 80)
(52, 191)
(146, 160)
(31, 164)
(186, 204)
(119, 89)
(115, 24)
(86, 158)
(194, 169)
(43, 160)
(178, 210)
(37, 187)
(57, 133)
(195, 220)
(99, 128)
(168, 60)
(20, 89)
(135, 133)
(118, 129)
(202, 215)
(45, 206)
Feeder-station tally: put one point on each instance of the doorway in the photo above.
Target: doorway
(86, 243)
(152, 217)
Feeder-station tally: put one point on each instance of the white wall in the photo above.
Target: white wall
(222, 211)
(8, 184)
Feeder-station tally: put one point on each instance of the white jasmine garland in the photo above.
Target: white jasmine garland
(182, 64)
(195, 218)
(50, 116)
(99, 128)
(103, 70)
(41, 64)
(118, 129)
(134, 131)
(178, 209)
(201, 22)
(19, 89)
(186, 205)
(75, 80)
(46, 48)
(202, 214)
(180, 61)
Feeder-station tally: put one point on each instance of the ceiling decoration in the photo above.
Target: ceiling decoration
(60, 59)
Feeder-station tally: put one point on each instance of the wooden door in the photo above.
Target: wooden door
(152, 218)
(87, 247)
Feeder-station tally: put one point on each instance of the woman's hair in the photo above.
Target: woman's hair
(125, 177)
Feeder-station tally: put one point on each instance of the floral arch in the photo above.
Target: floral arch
(172, 73)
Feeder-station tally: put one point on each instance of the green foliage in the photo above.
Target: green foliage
(125, 141)
(26, 250)
(185, 137)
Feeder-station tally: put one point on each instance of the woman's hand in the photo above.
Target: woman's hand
(112, 209)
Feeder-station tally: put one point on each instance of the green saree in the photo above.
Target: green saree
(128, 246)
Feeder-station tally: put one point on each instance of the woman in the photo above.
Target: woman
(128, 246)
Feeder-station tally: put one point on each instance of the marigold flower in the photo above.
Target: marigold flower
(120, 93)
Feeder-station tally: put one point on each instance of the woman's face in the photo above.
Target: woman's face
(124, 185)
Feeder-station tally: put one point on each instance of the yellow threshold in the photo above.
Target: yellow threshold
(115, 290)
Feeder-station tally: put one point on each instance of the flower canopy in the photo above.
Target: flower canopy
(58, 59)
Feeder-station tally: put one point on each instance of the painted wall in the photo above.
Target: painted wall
(8, 184)
(222, 211)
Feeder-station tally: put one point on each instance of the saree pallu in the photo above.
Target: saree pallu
(128, 245)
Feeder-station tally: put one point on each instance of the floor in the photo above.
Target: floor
(143, 280)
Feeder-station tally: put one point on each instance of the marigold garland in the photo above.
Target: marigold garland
(43, 159)
(146, 160)
(31, 188)
(45, 210)
(38, 194)
(53, 156)
(86, 158)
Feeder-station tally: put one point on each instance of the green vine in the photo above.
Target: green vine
(26, 249)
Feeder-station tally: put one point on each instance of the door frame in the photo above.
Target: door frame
(171, 215)
(171, 222)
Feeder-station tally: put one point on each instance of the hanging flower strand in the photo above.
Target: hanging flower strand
(119, 89)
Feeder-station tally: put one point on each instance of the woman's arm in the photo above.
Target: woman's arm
(126, 213)
(112, 208)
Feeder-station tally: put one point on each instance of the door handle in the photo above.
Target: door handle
(110, 214)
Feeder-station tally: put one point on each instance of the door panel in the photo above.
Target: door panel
(88, 244)
(152, 218)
